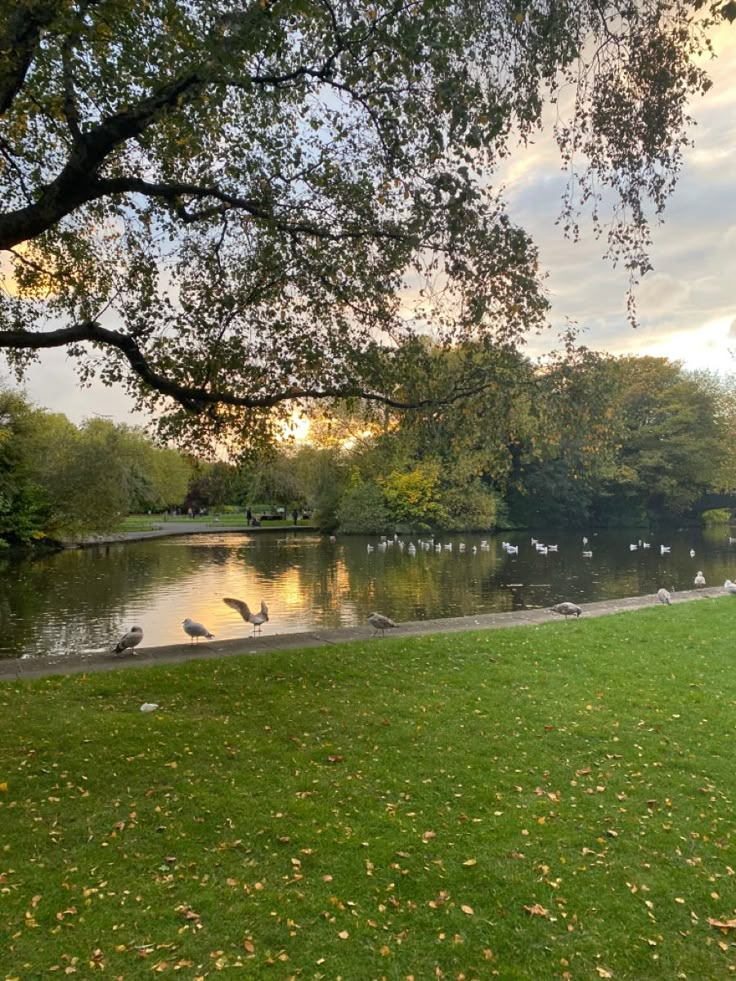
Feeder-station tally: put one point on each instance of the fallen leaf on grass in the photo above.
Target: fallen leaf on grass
(440, 900)
(428, 835)
(189, 914)
(536, 910)
(468, 910)
(722, 924)
(470, 862)
(603, 973)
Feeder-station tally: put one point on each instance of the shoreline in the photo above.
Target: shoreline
(20, 669)
(171, 529)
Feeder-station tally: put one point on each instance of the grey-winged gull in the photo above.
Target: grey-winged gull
(257, 619)
(130, 640)
(196, 630)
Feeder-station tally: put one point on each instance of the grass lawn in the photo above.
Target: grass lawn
(531, 803)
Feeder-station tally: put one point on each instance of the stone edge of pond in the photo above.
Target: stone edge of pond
(21, 669)
(172, 529)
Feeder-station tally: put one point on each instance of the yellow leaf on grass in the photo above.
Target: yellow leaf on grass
(603, 973)
(468, 909)
(470, 862)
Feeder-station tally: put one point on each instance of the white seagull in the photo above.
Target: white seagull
(379, 622)
(730, 587)
(663, 595)
(196, 630)
(244, 610)
(699, 580)
(129, 641)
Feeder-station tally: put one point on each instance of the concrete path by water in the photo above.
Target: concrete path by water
(38, 667)
(167, 529)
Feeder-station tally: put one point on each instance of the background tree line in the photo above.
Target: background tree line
(582, 438)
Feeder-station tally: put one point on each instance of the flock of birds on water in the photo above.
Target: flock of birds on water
(381, 623)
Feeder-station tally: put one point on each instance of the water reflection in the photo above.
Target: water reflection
(79, 601)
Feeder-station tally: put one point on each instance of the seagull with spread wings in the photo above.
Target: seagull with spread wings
(257, 619)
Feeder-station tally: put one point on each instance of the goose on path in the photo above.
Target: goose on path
(663, 595)
(699, 580)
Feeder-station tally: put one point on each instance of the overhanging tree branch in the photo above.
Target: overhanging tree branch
(195, 399)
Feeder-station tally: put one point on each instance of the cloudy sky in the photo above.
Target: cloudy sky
(686, 306)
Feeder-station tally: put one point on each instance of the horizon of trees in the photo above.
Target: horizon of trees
(578, 439)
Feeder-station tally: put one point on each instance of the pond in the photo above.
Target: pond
(80, 601)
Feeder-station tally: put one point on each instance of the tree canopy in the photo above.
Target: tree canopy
(230, 207)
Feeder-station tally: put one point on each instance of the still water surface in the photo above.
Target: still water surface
(82, 600)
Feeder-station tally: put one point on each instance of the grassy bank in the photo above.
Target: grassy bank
(535, 803)
(152, 522)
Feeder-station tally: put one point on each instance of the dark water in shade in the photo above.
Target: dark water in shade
(81, 601)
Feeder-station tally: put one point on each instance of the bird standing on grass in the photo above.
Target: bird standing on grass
(129, 641)
(663, 595)
(567, 610)
(196, 630)
(379, 622)
(730, 587)
(257, 619)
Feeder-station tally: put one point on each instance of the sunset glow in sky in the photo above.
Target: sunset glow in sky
(686, 306)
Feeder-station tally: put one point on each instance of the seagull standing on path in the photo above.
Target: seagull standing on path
(129, 641)
(379, 622)
(567, 610)
(257, 619)
(663, 595)
(196, 630)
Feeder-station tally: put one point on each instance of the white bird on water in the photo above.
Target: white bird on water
(257, 619)
(379, 622)
(196, 630)
(130, 640)
(567, 610)
(699, 580)
(730, 587)
(663, 595)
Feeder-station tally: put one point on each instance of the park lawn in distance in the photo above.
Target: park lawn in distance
(528, 803)
(145, 522)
